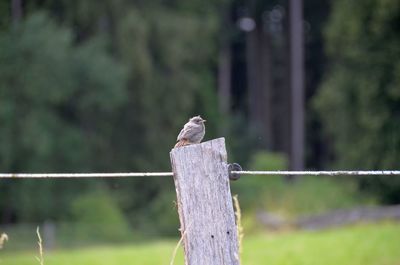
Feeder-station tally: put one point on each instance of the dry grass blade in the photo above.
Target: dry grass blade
(239, 227)
(3, 239)
(40, 259)
(176, 248)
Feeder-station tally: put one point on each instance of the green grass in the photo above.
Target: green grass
(368, 244)
(362, 244)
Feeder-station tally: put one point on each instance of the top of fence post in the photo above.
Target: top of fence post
(205, 204)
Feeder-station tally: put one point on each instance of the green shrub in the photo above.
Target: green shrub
(251, 188)
(307, 195)
(163, 213)
(98, 217)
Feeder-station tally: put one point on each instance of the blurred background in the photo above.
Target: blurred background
(106, 86)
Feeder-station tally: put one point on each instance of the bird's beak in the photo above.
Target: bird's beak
(204, 121)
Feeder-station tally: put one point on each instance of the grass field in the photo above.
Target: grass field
(368, 244)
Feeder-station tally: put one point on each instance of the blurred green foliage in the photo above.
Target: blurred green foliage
(89, 86)
(242, 139)
(55, 97)
(359, 100)
(251, 188)
(290, 200)
(98, 212)
(106, 86)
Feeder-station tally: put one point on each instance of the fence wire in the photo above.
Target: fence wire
(321, 173)
(167, 174)
(85, 175)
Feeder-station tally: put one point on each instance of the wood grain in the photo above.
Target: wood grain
(205, 203)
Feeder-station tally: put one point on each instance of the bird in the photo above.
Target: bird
(192, 133)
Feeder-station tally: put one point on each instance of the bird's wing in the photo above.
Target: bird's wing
(187, 132)
(180, 134)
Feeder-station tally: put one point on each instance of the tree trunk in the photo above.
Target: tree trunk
(297, 85)
(16, 11)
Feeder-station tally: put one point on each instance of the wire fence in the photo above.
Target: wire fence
(321, 173)
(86, 175)
(168, 174)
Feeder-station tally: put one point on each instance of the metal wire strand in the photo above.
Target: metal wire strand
(321, 173)
(85, 175)
(168, 174)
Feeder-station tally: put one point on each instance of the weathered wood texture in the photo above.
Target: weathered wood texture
(205, 204)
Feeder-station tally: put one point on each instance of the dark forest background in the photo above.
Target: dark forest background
(105, 86)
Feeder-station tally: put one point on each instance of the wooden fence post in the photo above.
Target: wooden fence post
(205, 204)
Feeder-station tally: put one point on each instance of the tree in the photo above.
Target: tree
(359, 99)
(55, 97)
(107, 91)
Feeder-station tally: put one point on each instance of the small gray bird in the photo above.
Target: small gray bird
(192, 133)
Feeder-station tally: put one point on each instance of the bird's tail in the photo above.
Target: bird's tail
(181, 143)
